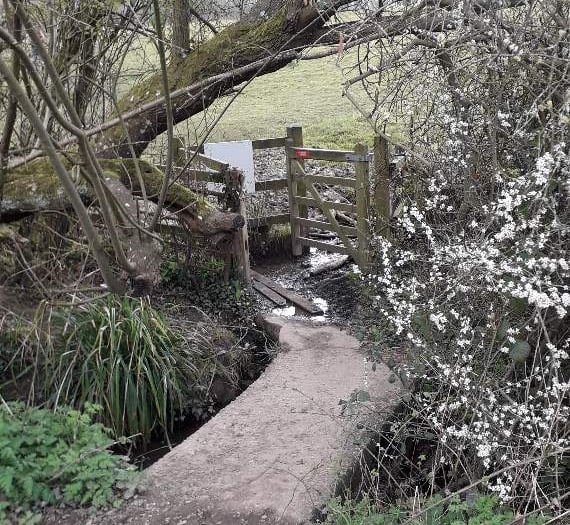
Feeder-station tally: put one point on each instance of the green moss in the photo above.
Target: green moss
(177, 195)
(34, 184)
(238, 44)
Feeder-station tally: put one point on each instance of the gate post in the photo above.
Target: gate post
(382, 201)
(362, 202)
(296, 189)
(235, 200)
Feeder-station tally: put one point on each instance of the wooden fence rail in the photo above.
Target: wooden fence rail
(303, 193)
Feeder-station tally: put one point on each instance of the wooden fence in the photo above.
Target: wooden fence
(304, 194)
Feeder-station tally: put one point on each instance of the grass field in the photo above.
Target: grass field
(306, 92)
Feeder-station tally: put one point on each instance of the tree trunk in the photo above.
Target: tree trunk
(237, 54)
(180, 30)
(34, 187)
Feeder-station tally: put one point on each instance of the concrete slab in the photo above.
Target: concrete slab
(274, 454)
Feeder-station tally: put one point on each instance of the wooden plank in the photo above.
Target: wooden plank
(269, 293)
(208, 161)
(278, 142)
(272, 184)
(331, 181)
(268, 220)
(362, 203)
(311, 223)
(296, 299)
(339, 206)
(382, 199)
(325, 246)
(321, 154)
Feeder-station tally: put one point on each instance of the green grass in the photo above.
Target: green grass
(305, 92)
(485, 510)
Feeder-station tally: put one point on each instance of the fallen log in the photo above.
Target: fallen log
(345, 219)
(34, 187)
(321, 235)
(328, 266)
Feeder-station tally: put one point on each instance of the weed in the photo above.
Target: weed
(172, 273)
(57, 456)
(485, 510)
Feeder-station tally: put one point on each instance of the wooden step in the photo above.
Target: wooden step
(291, 296)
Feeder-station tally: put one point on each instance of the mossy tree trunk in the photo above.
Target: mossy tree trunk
(34, 187)
(236, 54)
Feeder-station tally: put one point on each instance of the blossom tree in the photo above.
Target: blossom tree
(472, 282)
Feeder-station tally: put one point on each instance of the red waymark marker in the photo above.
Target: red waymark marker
(302, 154)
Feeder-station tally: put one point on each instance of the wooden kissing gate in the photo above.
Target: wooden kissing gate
(304, 194)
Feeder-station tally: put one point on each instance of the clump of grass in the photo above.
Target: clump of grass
(434, 511)
(121, 354)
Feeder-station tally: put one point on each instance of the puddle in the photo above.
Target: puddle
(321, 303)
(294, 275)
(287, 311)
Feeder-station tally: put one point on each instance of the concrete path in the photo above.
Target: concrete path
(274, 454)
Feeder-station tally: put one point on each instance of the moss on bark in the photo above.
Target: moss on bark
(238, 45)
(35, 187)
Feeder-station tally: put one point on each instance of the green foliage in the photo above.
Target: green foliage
(121, 354)
(208, 291)
(519, 351)
(172, 273)
(59, 456)
(486, 510)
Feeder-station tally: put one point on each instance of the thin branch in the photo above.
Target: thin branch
(66, 181)
(169, 117)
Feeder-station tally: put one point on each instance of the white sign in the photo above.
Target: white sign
(238, 154)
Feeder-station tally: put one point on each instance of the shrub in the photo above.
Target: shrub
(121, 354)
(57, 456)
(483, 314)
(473, 281)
